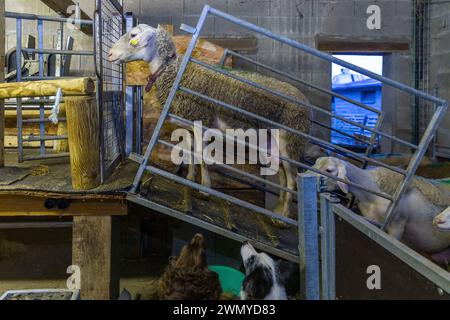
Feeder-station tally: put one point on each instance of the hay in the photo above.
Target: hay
(40, 171)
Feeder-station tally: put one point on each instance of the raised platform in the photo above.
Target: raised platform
(25, 187)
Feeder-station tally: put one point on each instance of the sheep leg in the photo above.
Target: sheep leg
(442, 258)
(290, 176)
(286, 180)
(206, 179)
(282, 180)
(187, 192)
(397, 228)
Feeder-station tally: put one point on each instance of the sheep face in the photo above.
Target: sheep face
(138, 44)
(442, 221)
(334, 167)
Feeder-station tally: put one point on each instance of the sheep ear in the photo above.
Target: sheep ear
(342, 174)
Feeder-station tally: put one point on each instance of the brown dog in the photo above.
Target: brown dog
(187, 276)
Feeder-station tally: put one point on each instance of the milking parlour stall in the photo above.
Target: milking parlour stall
(216, 152)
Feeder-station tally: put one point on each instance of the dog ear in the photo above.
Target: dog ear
(342, 174)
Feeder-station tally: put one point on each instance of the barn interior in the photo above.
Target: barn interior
(88, 185)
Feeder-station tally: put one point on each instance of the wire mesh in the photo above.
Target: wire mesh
(111, 99)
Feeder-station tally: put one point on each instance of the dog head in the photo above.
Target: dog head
(261, 276)
(188, 278)
(193, 254)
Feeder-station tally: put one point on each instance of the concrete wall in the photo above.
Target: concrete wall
(307, 21)
(440, 64)
(79, 65)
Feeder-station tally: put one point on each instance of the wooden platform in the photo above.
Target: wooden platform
(25, 187)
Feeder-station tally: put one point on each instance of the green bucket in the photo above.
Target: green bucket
(445, 181)
(230, 279)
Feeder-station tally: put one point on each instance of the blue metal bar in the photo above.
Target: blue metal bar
(289, 129)
(302, 103)
(130, 100)
(172, 94)
(41, 51)
(139, 117)
(27, 16)
(129, 118)
(308, 233)
(328, 254)
(40, 30)
(18, 79)
(321, 54)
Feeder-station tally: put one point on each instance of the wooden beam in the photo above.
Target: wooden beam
(30, 206)
(44, 88)
(61, 7)
(2, 75)
(95, 250)
(361, 45)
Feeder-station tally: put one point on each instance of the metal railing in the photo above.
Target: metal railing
(441, 107)
(42, 103)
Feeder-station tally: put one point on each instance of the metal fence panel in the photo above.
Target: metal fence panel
(109, 26)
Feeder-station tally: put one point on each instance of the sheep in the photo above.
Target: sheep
(442, 220)
(417, 213)
(156, 47)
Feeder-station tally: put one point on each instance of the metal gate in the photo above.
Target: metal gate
(307, 211)
(109, 27)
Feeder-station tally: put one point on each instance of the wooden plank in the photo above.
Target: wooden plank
(95, 249)
(13, 205)
(349, 45)
(2, 75)
(61, 7)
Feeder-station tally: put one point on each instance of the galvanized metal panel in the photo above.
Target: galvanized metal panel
(356, 251)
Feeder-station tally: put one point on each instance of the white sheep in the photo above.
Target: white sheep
(417, 215)
(156, 46)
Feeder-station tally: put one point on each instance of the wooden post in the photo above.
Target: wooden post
(61, 145)
(95, 250)
(2, 70)
(83, 131)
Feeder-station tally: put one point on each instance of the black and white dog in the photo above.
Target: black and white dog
(266, 279)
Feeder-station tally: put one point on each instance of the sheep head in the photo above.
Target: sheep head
(442, 221)
(335, 167)
(139, 44)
